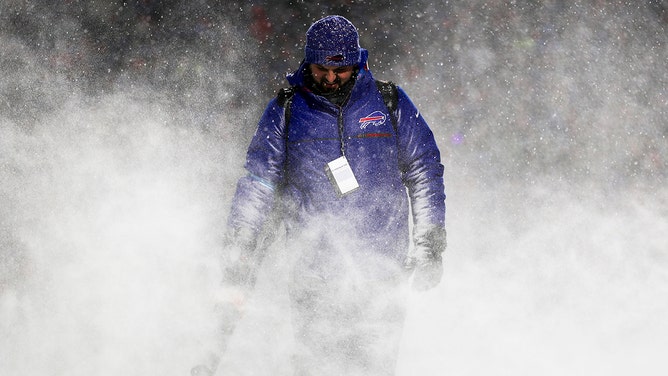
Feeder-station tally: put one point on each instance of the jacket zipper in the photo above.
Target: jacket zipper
(340, 123)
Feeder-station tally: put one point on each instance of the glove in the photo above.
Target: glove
(428, 273)
(238, 259)
(426, 261)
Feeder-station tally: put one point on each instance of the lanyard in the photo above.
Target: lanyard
(340, 125)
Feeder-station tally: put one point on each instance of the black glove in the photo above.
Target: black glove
(239, 261)
(426, 260)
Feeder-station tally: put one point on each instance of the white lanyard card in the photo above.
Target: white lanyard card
(341, 176)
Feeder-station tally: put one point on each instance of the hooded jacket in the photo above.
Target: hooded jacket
(397, 166)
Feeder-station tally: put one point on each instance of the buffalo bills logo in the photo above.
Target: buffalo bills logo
(375, 118)
(335, 58)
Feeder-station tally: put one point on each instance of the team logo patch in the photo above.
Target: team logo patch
(335, 58)
(375, 118)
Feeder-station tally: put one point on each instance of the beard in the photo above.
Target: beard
(327, 87)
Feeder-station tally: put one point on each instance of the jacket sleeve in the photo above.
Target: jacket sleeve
(422, 174)
(255, 193)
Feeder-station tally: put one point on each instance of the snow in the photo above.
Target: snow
(114, 191)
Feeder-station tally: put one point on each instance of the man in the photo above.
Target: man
(347, 177)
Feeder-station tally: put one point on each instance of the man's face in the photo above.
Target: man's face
(330, 78)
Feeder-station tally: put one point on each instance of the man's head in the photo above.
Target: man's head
(332, 52)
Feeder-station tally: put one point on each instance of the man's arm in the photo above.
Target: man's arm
(422, 172)
(254, 198)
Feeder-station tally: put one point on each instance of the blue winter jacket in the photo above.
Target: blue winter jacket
(398, 169)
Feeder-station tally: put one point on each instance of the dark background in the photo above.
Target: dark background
(535, 67)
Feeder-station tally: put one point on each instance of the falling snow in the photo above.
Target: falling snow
(123, 131)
